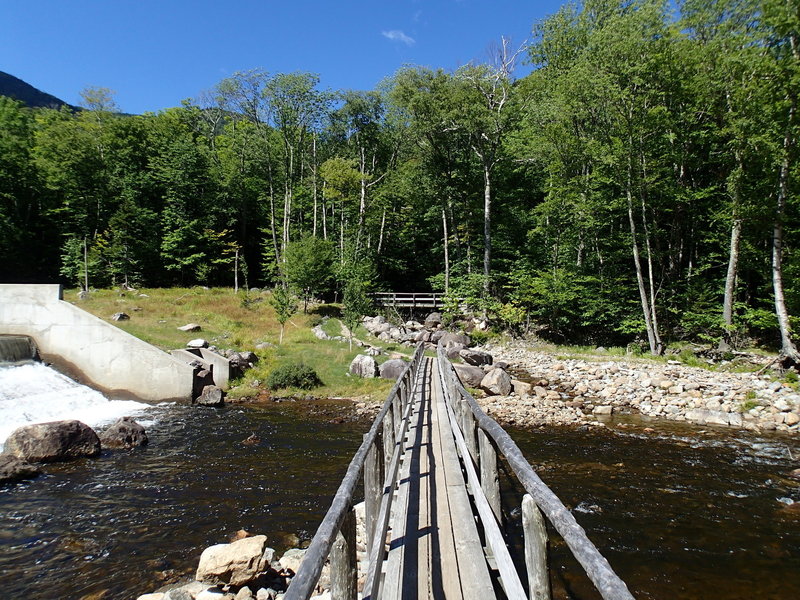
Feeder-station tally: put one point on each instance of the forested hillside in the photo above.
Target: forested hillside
(639, 184)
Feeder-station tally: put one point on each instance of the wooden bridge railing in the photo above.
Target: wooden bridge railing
(480, 438)
(378, 458)
(409, 299)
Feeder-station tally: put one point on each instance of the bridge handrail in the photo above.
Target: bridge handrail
(599, 571)
(308, 574)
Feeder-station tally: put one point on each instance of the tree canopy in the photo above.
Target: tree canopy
(638, 186)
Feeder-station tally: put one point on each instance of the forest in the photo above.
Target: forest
(639, 185)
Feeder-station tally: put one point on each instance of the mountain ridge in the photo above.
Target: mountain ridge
(16, 88)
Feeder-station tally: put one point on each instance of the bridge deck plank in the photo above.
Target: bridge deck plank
(435, 549)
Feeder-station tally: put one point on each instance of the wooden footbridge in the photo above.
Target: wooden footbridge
(433, 520)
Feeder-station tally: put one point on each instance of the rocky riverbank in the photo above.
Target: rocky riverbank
(579, 390)
(248, 569)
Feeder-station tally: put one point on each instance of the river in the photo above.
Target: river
(680, 513)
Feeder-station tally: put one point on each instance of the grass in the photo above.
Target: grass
(238, 322)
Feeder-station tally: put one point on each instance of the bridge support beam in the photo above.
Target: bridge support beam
(373, 479)
(535, 550)
(344, 568)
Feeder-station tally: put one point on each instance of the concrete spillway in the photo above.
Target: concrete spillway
(94, 351)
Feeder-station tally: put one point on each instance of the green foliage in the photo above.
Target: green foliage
(293, 375)
(308, 266)
(638, 138)
(285, 305)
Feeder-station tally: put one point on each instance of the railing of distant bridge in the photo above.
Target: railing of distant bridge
(378, 458)
(480, 438)
(409, 299)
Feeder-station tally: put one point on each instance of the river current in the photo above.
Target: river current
(679, 513)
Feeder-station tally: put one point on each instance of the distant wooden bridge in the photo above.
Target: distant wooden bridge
(433, 520)
(411, 300)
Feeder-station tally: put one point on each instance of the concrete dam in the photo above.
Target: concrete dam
(89, 349)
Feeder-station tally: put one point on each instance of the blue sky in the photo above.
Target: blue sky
(156, 53)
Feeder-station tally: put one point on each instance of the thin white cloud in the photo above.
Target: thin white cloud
(396, 35)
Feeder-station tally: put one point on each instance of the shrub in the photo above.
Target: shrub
(293, 375)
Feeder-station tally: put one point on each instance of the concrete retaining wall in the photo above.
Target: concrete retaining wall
(106, 357)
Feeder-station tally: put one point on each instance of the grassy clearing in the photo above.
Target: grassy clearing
(236, 321)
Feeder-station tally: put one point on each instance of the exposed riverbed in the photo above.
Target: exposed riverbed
(680, 513)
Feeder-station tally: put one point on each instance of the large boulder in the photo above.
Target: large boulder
(497, 382)
(451, 338)
(236, 564)
(211, 396)
(453, 350)
(393, 368)
(14, 469)
(364, 366)
(470, 376)
(125, 433)
(437, 335)
(476, 357)
(433, 320)
(57, 440)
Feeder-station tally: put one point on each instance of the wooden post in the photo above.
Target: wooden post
(388, 440)
(490, 482)
(535, 549)
(344, 572)
(373, 480)
(468, 428)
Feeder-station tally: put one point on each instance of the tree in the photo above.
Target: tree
(356, 303)
(285, 305)
(308, 266)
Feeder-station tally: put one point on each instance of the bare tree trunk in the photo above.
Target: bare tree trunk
(383, 226)
(446, 253)
(651, 283)
(788, 347)
(236, 272)
(487, 227)
(651, 338)
(314, 176)
(85, 266)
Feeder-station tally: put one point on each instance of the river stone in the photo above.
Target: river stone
(125, 433)
(13, 468)
(244, 594)
(476, 357)
(497, 382)
(521, 388)
(392, 369)
(791, 419)
(197, 343)
(155, 596)
(452, 350)
(237, 563)
(470, 376)
(211, 396)
(178, 594)
(57, 440)
(433, 320)
(364, 366)
(604, 409)
(423, 336)
(437, 335)
(291, 559)
(456, 338)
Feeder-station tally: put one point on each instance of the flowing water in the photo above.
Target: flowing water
(680, 514)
